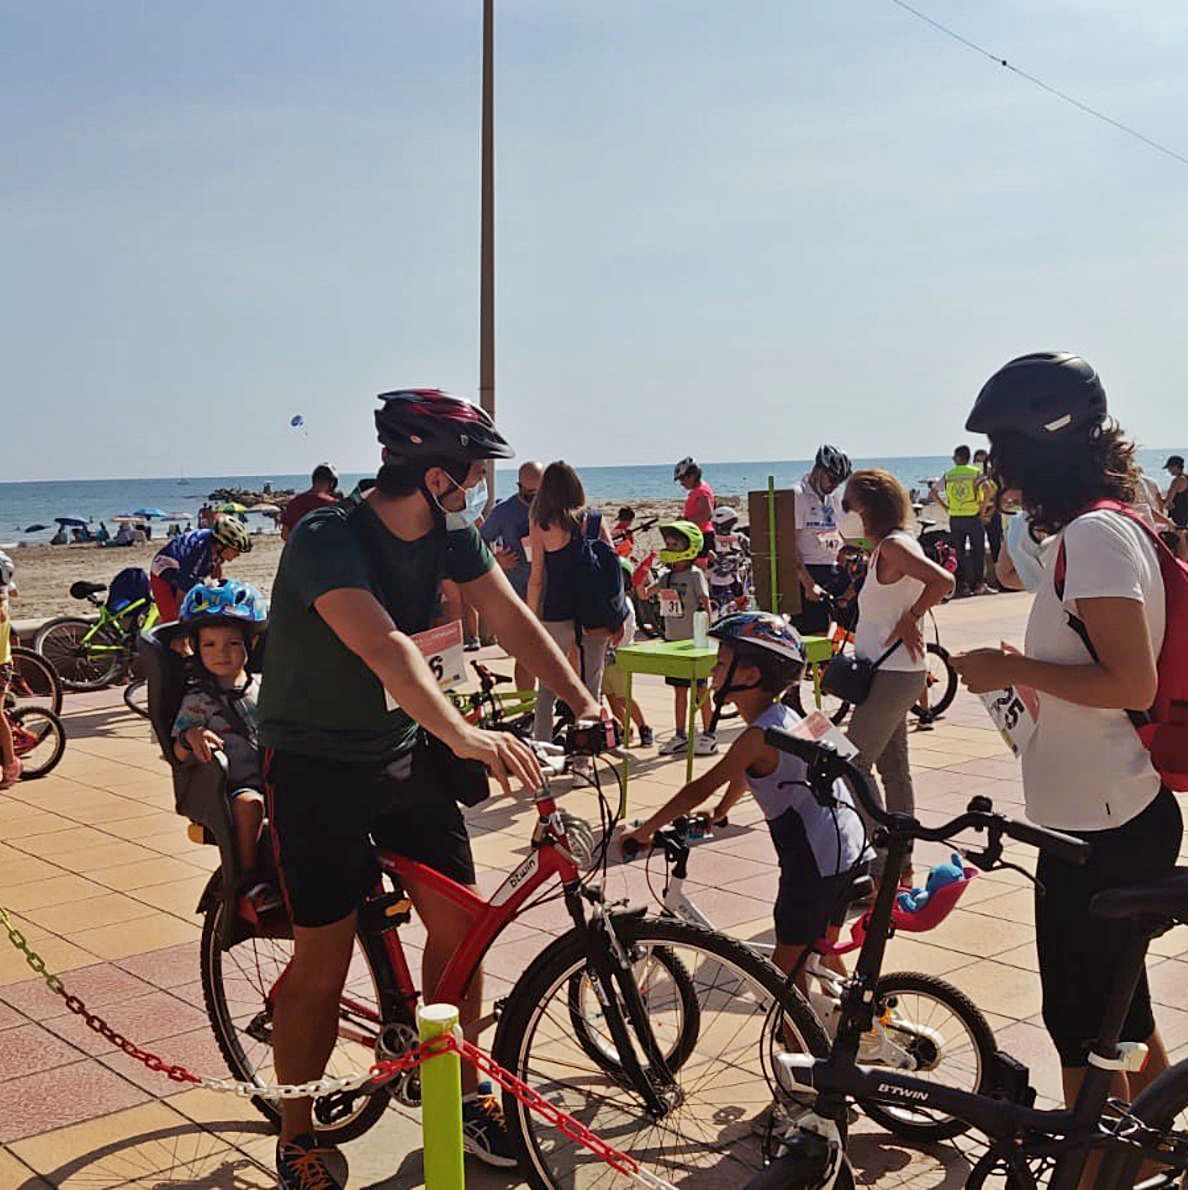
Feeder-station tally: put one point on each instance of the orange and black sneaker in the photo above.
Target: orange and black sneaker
(303, 1164)
(484, 1131)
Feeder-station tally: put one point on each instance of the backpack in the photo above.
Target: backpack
(1163, 727)
(602, 603)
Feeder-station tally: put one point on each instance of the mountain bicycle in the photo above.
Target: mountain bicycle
(1147, 1139)
(92, 653)
(38, 738)
(648, 1030)
(921, 1023)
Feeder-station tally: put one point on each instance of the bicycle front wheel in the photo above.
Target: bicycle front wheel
(136, 697)
(1162, 1106)
(940, 686)
(38, 738)
(35, 682)
(718, 1013)
(86, 656)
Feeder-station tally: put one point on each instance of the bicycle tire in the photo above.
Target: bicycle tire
(1161, 1105)
(42, 723)
(60, 643)
(923, 1124)
(35, 681)
(937, 706)
(584, 1007)
(787, 1173)
(735, 1007)
(132, 692)
(835, 710)
(230, 1035)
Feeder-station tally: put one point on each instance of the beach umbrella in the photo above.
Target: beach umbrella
(178, 516)
(297, 422)
(128, 519)
(36, 528)
(150, 512)
(70, 520)
(231, 506)
(267, 509)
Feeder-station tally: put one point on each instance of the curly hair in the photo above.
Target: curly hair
(1058, 480)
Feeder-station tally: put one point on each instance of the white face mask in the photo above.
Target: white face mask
(476, 501)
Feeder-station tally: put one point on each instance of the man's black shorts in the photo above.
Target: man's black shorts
(325, 815)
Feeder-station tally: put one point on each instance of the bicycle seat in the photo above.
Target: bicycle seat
(84, 590)
(1163, 898)
(926, 524)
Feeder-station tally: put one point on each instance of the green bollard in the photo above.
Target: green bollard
(441, 1103)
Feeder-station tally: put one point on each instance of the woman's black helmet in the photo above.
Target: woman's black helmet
(1045, 396)
(426, 423)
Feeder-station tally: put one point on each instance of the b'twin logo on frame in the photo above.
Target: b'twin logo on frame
(527, 868)
(902, 1092)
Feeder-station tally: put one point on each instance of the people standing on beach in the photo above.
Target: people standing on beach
(1094, 633)
(505, 529)
(187, 560)
(960, 491)
(818, 513)
(901, 587)
(10, 764)
(322, 490)
(699, 503)
(347, 706)
(558, 521)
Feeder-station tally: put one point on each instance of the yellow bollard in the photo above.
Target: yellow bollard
(441, 1103)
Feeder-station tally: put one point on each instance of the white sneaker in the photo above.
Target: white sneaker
(706, 744)
(678, 742)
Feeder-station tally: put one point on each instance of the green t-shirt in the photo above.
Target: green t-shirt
(317, 697)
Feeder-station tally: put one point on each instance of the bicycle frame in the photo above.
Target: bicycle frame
(125, 621)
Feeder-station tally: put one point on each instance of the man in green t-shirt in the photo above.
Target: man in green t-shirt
(961, 491)
(344, 694)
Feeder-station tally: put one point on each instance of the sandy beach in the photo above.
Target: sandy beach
(44, 572)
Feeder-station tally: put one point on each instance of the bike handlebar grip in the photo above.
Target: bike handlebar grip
(806, 750)
(1067, 848)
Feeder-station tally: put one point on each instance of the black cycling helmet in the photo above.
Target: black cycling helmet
(428, 424)
(1044, 396)
(835, 463)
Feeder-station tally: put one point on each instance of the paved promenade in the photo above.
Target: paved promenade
(101, 879)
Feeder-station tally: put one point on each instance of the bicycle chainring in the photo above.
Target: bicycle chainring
(394, 1042)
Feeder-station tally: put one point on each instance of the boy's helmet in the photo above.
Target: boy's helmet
(230, 533)
(1045, 396)
(687, 464)
(693, 536)
(7, 569)
(761, 630)
(228, 602)
(428, 424)
(835, 463)
(723, 516)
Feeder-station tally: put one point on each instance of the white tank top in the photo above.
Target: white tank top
(880, 606)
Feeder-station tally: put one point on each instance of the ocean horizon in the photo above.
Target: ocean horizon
(39, 502)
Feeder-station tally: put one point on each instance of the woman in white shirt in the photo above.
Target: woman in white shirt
(901, 584)
(1085, 769)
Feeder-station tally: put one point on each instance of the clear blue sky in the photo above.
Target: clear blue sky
(732, 230)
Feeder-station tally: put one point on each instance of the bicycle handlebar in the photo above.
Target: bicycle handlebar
(826, 765)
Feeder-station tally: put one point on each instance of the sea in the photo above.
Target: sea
(25, 505)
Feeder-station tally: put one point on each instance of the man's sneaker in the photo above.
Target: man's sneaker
(706, 744)
(484, 1131)
(646, 738)
(981, 589)
(678, 742)
(303, 1164)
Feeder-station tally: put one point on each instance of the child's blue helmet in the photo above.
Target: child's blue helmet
(230, 602)
(761, 630)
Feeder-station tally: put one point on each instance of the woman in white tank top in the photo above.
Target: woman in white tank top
(900, 586)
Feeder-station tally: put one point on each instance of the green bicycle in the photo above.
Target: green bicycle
(90, 653)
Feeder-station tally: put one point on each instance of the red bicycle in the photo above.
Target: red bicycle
(654, 1033)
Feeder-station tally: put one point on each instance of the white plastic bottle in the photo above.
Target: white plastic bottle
(701, 629)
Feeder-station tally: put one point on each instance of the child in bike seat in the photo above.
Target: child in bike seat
(820, 848)
(10, 774)
(218, 710)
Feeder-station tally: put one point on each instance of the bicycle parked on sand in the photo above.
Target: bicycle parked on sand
(90, 653)
(1144, 1143)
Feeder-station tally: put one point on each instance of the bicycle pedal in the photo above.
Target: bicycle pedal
(386, 912)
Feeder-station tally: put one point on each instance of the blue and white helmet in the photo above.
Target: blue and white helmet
(224, 603)
(7, 570)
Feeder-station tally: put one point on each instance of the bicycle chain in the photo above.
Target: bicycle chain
(377, 1073)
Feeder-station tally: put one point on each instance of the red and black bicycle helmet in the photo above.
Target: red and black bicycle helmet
(426, 423)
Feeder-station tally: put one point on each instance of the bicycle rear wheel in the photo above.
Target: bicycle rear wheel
(39, 740)
(35, 682)
(802, 698)
(136, 697)
(940, 684)
(706, 1137)
(1164, 1106)
(236, 984)
(87, 657)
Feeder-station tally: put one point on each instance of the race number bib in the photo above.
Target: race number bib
(670, 603)
(816, 727)
(1015, 712)
(442, 649)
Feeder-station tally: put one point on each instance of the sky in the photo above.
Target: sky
(727, 230)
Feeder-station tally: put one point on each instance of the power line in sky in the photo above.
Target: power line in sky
(1038, 82)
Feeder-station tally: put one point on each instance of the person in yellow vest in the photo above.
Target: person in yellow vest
(961, 491)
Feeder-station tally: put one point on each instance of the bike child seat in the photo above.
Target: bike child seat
(1162, 899)
(130, 585)
(84, 590)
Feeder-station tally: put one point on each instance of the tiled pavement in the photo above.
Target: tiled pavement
(101, 879)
